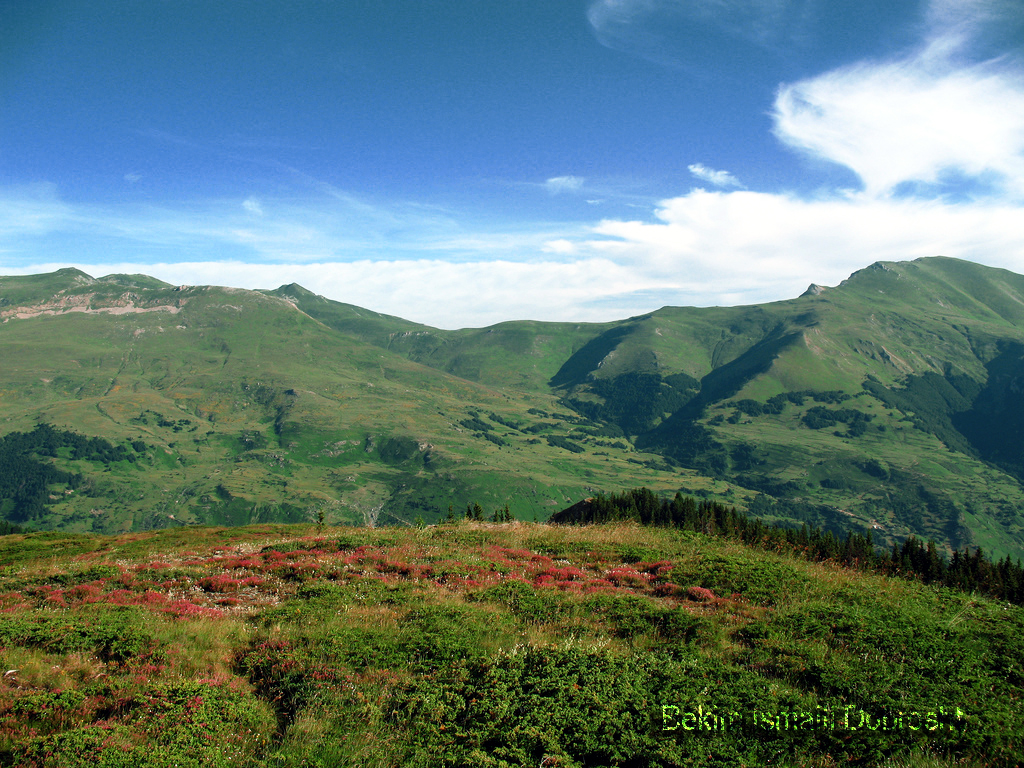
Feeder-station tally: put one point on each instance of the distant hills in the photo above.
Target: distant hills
(891, 403)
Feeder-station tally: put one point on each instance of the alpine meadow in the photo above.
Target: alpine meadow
(265, 528)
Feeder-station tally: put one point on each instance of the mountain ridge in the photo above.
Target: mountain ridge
(877, 404)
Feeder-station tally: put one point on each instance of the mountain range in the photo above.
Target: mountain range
(891, 403)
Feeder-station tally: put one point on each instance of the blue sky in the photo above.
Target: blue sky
(474, 161)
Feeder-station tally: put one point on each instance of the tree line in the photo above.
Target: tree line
(26, 476)
(967, 570)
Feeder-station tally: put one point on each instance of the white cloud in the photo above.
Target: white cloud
(928, 117)
(718, 178)
(252, 205)
(561, 245)
(558, 184)
(906, 122)
(750, 247)
(703, 248)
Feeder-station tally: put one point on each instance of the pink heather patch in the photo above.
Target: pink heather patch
(302, 570)
(365, 554)
(667, 589)
(700, 594)
(656, 569)
(151, 598)
(628, 577)
(86, 593)
(184, 609)
(509, 557)
(562, 574)
(598, 586)
(221, 583)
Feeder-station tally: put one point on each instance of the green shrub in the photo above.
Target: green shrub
(113, 633)
(523, 601)
(632, 616)
(93, 573)
(180, 724)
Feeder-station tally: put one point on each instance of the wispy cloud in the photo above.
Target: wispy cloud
(924, 118)
(914, 120)
(32, 210)
(561, 245)
(252, 205)
(681, 33)
(559, 184)
(718, 178)
(413, 261)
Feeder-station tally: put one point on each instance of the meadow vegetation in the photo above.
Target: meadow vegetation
(481, 644)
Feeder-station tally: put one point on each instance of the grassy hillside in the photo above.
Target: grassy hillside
(488, 645)
(929, 353)
(235, 408)
(521, 355)
(889, 403)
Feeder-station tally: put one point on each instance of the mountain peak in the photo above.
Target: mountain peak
(814, 290)
(77, 276)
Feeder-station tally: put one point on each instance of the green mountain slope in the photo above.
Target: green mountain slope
(232, 407)
(889, 403)
(918, 435)
(523, 355)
